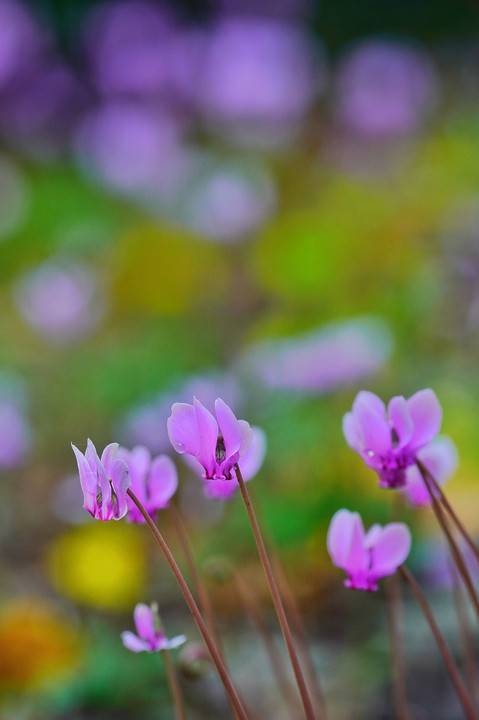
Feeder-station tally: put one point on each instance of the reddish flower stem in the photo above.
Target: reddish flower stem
(215, 656)
(398, 665)
(441, 643)
(174, 686)
(278, 604)
(469, 658)
(456, 554)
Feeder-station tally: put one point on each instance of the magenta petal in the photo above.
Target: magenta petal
(357, 557)
(352, 432)
(120, 479)
(246, 436)
(426, 414)
(228, 427)
(374, 430)
(163, 482)
(370, 400)
(183, 429)
(88, 481)
(253, 458)
(208, 435)
(108, 455)
(390, 550)
(134, 643)
(400, 418)
(220, 489)
(345, 530)
(143, 616)
(440, 458)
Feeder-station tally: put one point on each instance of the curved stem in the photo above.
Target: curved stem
(441, 643)
(278, 604)
(174, 686)
(215, 656)
(458, 559)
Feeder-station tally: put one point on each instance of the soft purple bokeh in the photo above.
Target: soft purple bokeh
(59, 300)
(384, 89)
(150, 638)
(20, 39)
(388, 440)
(322, 360)
(216, 443)
(153, 481)
(145, 424)
(440, 459)
(104, 482)
(15, 434)
(366, 557)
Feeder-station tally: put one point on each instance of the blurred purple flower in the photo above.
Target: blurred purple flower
(15, 434)
(104, 482)
(384, 88)
(322, 360)
(441, 459)
(145, 424)
(154, 482)
(217, 444)
(366, 557)
(59, 300)
(257, 70)
(389, 440)
(20, 39)
(150, 638)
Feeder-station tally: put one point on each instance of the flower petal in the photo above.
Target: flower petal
(440, 458)
(229, 427)
(426, 414)
(253, 458)
(120, 479)
(183, 429)
(220, 489)
(108, 455)
(144, 622)
(390, 549)
(134, 643)
(138, 461)
(176, 642)
(401, 420)
(346, 541)
(88, 481)
(370, 400)
(375, 433)
(208, 436)
(352, 432)
(162, 482)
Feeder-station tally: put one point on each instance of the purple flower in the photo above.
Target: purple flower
(389, 440)
(249, 465)
(104, 482)
(217, 444)
(366, 557)
(440, 458)
(154, 482)
(150, 637)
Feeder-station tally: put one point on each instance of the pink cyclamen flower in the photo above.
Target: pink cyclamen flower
(366, 557)
(150, 638)
(154, 482)
(217, 444)
(389, 440)
(440, 459)
(104, 482)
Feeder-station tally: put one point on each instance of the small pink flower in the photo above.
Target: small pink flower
(366, 557)
(217, 444)
(389, 440)
(104, 482)
(440, 459)
(154, 482)
(150, 638)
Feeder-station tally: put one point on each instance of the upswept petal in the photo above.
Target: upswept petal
(253, 458)
(352, 432)
(371, 401)
(228, 427)
(374, 430)
(426, 414)
(390, 549)
(104, 512)
(440, 458)
(108, 455)
(88, 481)
(144, 622)
(372, 535)
(246, 437)
(134, 643)
(401, 420)
(183, 429)
(121, 481)
(138, 460)
(175, 642)
(357, 557)
(345, 531)
(163, 481)
(208, 436)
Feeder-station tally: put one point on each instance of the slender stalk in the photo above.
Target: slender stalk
(215, 656)
(296, 621)
(398, 665)
(278, 604)
(458, 559)
(447, 505)
(441, 643)
(469, 658)
(203, 597)
(174, 686)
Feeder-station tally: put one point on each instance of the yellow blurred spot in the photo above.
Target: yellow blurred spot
(101, 564)
(37, 646)
(166, 270)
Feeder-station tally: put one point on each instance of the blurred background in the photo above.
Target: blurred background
(273, 202)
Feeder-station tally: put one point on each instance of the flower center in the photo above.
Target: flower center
(220, 452)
